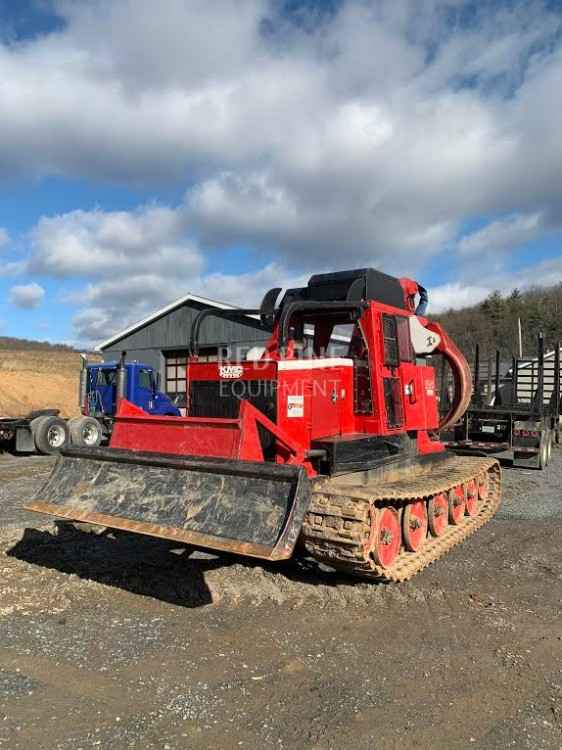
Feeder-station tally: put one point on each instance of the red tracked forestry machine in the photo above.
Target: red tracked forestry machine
(293, 450)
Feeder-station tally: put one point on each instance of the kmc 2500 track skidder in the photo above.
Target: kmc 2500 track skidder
(297, 450)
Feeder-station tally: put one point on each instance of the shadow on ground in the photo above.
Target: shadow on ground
(176, 574)
(147, 567)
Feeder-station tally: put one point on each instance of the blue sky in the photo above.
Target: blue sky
(223, 148)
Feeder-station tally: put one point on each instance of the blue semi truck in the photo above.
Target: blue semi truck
(101, 387)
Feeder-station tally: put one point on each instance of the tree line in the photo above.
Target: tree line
(493, 323)
(14, 344)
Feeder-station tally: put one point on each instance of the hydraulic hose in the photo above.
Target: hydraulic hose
(423, 303)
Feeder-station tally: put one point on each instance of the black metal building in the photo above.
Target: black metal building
(161, 339)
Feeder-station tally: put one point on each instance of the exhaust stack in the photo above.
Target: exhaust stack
(121, 380)
(82, 387)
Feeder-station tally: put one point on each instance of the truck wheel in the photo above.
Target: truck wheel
(543, 454)
(50, 434)
(549, 447)
(85, 432)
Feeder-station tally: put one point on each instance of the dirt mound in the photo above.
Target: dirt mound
(31, 380)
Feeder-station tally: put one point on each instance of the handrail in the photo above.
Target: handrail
(291, 308)
(202, 314)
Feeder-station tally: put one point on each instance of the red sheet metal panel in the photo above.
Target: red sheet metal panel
(187, 436)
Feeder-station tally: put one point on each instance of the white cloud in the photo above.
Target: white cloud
(545, 273)
(365, 135)
(26, 296)
(132, 262)
(95, 325)
(461, 294)
(4, 237)
(505, 234)
(247, 289)
(111, 243)
(456, 295)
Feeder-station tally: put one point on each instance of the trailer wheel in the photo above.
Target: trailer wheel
(543, 455)
(50, 434)
(549, 440)
(85, 432)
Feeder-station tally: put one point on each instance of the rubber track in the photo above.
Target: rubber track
(339, 518)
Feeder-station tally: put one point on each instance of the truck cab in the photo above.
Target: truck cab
(141, 388)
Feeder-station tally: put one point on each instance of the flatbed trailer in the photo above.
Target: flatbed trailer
(517, 417)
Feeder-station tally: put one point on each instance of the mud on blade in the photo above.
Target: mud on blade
(254, 509)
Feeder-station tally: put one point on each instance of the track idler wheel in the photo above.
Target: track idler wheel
(471, 489)
(414, 522)
(387, 538)
(438, 514)
(457, 504)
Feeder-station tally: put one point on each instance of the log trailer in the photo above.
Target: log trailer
(517, 417)
(297, 451)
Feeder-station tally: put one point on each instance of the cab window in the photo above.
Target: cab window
(405, 348)
(390, 335)
(145, 379)
(105, 378)
(362, 396)
(397, 343)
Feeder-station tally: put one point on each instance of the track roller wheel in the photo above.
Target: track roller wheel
(457, 505)
(388, 538)
(438, 514)
(471, 490)
(414, 523)
(482, 487)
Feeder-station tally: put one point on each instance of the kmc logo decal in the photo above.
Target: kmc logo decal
(231, 371)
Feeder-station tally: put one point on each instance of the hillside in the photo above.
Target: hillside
(37, 378)
(13, 344)
(493, 323)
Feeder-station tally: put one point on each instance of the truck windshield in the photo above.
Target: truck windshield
(145, 379)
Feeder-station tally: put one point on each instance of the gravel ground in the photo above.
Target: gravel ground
(534, 494)
(20, 477)
(128, 642)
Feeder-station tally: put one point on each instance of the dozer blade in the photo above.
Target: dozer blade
(245, 507)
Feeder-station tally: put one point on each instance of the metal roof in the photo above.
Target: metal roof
(163, 311)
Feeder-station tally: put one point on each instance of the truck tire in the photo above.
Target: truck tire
(50, 434)
(85, 432)
(543, 453)
(550, 440)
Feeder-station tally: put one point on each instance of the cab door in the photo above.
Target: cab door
(418, 383)
(325, 402)
(101, 391)
(144, 396)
